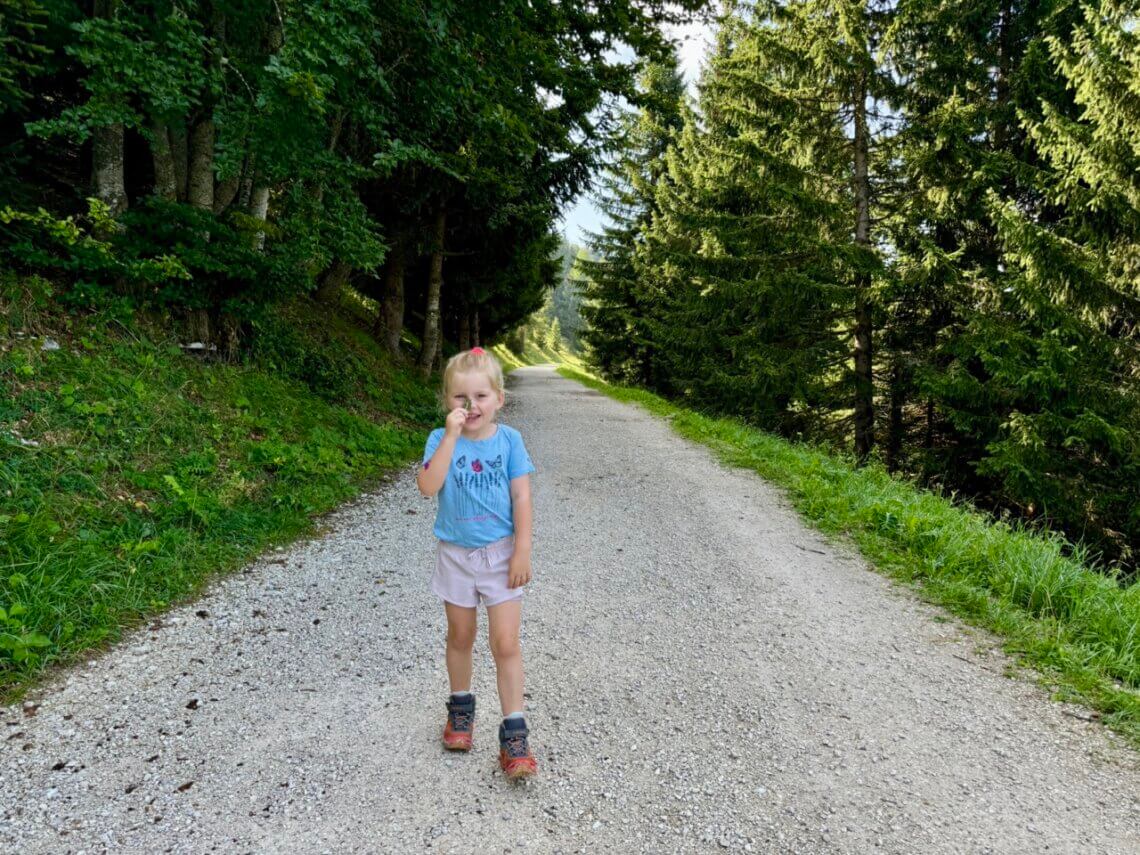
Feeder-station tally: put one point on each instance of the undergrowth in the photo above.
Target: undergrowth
(132, 471)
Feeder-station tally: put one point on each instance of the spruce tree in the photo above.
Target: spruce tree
(1066, 368)
(615, 302)
(1013, 369)
(762, 242)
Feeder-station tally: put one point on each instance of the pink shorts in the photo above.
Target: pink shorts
(465, 577)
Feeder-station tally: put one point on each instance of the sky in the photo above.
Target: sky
(694, 40)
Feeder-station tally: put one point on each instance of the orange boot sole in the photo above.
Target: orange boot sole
(456, 740)
(516, 768)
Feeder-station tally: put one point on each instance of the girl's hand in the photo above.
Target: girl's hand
(518, 570)
(455, 421)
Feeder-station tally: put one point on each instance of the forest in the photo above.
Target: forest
(207, 160)
(908, 231)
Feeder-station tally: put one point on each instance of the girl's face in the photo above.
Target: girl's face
(473, 391)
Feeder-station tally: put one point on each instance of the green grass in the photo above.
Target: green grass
(131, 473)
(507, 358)
(534, 355)
(1079, 628)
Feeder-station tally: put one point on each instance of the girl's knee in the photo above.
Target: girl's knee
(460, 637)
(505, 645)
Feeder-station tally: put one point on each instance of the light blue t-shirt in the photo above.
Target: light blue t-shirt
(475, 500)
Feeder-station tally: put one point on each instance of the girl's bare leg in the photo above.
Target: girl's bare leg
(503, 623)
(461, 626)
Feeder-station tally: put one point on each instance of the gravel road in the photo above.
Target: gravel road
(704, 673)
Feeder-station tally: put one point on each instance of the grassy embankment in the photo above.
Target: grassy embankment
(1079, 628)
(534, 354)
(131, 472)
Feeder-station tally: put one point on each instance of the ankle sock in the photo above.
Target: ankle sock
(461, 696)
(515, 715)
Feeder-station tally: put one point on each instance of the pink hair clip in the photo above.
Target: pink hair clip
(478, 351)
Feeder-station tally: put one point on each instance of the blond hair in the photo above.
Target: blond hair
(466, 361)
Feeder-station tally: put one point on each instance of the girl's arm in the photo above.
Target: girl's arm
(432, 474)
(519, 570)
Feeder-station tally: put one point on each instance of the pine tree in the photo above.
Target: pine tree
(1064, 353)
(616, 305)
(964, 75)
(762, 243)
(1010, 317)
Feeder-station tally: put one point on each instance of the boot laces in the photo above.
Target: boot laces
(516, 746)
(460, 718)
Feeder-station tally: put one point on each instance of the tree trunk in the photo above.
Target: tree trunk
(225, 193)
(334, 138)
(245, 186)
(435, 286)
(895, 423)
(864, 377)
(202, 135)
(200, 172)
(107, 167)
(108, 171)
(198, 326)
(464, 329)
(1002, 83)
(259, 210)
(333, 281)
(180, 157)
(200, 192)
(165, 174)
(259, 195)
(390, 321)
(928, 438)
(229, 337)
(476, 338)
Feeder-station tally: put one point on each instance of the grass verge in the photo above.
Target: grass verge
(1078, 628)
(132, 472)
(535, 355)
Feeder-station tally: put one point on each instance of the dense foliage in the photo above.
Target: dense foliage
(242, 153)
(907, 228)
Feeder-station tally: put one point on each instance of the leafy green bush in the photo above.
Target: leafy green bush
(158, 254)
(81, 257)
(224, 268)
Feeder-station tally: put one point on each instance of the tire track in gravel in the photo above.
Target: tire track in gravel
(704, 673)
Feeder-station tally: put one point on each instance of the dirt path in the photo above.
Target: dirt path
(704, 672)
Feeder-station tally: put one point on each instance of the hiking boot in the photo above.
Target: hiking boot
(460, 727)
(514, 753)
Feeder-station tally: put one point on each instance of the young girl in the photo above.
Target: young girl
(481, 471)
